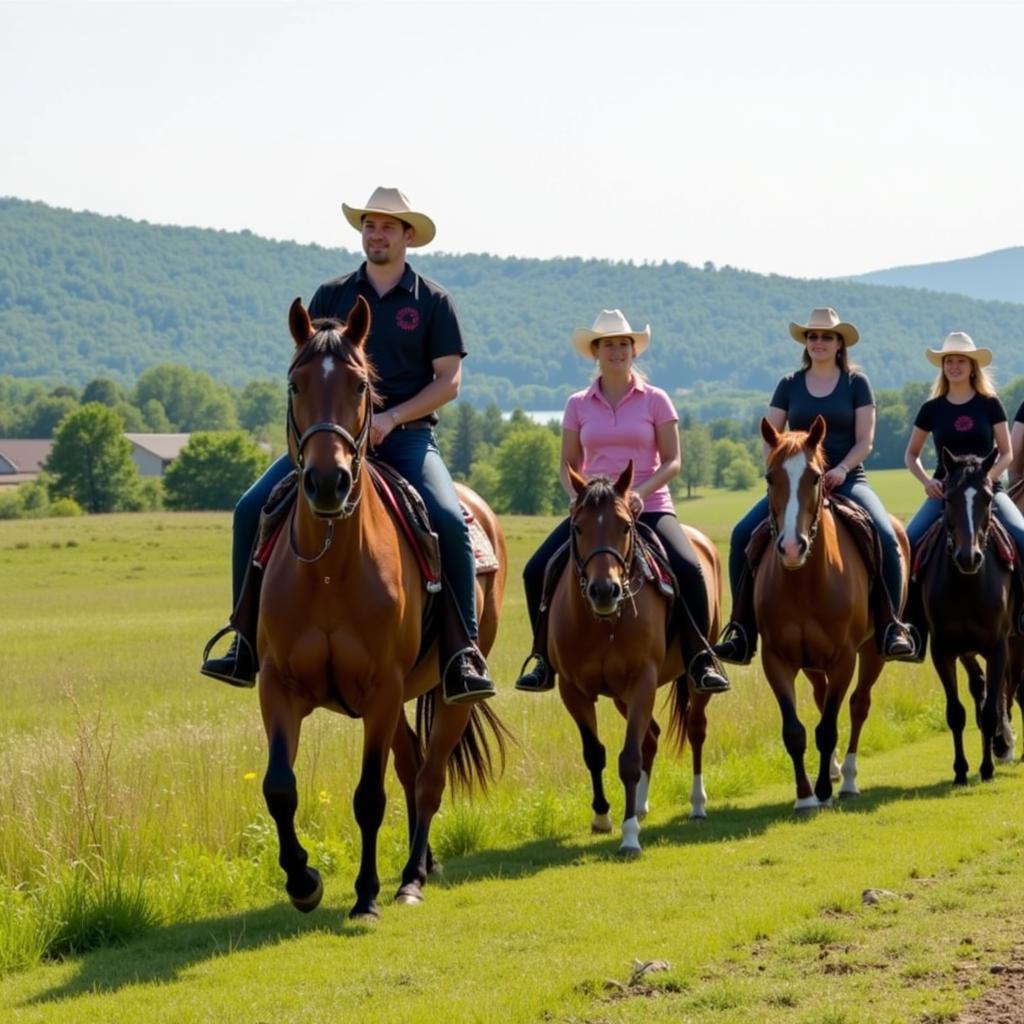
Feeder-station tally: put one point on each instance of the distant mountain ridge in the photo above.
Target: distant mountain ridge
(995, 276)
(83, 296)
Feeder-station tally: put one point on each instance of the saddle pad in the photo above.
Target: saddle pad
(999, 538)
(484, 557)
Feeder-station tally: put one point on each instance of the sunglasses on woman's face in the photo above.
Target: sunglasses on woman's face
(815, 336)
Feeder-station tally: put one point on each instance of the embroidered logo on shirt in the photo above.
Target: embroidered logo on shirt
(408, 318)
(963, 424)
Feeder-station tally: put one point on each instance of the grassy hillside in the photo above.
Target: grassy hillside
(83, 296)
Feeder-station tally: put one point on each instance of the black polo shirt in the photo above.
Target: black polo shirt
(411, 326)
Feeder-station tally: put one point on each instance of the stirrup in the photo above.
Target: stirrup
(539, 679)
(237, 667)
(734, 646)
(706, 674)
(464, 679)
(898, 644)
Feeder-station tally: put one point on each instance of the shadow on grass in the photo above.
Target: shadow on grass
(164, 953)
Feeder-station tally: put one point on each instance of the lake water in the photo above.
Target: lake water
(542, 416)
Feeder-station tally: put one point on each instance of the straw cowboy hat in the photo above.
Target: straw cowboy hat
(825, 319)
(395, 204)
(610, 323)
(959, 344)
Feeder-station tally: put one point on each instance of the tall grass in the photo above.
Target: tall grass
(130, 786)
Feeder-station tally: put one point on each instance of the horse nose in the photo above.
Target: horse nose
(604, 593)
(977, 559)
(326, 490)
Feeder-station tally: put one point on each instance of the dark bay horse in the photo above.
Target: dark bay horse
(811, 599)
(340, 623)
(608, 636)
(965, 591)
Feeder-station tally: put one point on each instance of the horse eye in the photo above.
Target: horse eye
(361, 387)
(293, 388)
(816, 477)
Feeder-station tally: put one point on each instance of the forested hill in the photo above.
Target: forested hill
(994, 275)
(83, 296)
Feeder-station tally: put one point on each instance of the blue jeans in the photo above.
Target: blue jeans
(1006, 512)
(860, 492)
(414, 453)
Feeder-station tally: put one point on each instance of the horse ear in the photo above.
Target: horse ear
(299, 323)
(577, 481)
(769, 433)
(990, 460)
(625, 480)
(817, 432)
(357, 326)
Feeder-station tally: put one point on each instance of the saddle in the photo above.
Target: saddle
(1000, 539)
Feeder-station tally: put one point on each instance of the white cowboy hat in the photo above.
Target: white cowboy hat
(825, 319)
(959, 344)
(610, 323)
(395, 204)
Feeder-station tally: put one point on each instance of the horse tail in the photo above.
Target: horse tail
(479, 756)
(679, 713)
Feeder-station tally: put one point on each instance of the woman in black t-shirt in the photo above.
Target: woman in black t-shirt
(1016, 469)
(965, 416)
(826, 385)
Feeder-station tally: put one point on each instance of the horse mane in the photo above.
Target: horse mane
(330, 339)
(598, 490)
(793, 442)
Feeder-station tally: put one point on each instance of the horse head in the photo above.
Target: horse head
(602, 539)
(330, 401)
(796, 464)
(968, 508)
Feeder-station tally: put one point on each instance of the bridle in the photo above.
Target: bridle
(950, 527)
(627, 561)
(812, 530)
(358, 444)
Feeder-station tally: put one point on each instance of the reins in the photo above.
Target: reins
(633, 584)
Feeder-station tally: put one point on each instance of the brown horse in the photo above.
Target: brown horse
(341, 622)
(811, 600)
(609, 631)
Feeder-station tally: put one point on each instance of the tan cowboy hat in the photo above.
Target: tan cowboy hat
(959, 344)
(394, 204)
(825, 319)
(610, 323)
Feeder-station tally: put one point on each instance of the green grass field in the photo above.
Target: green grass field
(138, 875)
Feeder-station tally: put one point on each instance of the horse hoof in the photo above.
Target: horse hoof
(698, 816)
(807, 807)
(629, 852)
(601, 824)
(409, 896)
(309, 903)
(961, 783)
(365, 915)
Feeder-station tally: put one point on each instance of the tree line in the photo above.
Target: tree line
(84, 296)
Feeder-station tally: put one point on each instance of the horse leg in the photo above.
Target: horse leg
(640, 711)
(369, 800)
(282, 720)
(956, 716)
(696, 734)
(826, 733)
(449, 723)
(975, 683)
(781, 678)
(869, 668)
(995, 676)
(649, 751)
(819, 684)
(584, 713)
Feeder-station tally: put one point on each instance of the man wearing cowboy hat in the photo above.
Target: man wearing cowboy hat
(416, 347)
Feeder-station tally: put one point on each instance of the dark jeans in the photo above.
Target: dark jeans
(681, 556)
(415, 455)
(863, 495)
(1006, 512)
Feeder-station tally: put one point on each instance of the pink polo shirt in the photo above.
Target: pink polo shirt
(611, 437)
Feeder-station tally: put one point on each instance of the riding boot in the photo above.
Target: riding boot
(541, 677)
(238, 666)
(739, 638)
(893, 637)
(464, 674)
(703, 668)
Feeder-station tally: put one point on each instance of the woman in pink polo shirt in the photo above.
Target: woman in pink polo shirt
(618, 418)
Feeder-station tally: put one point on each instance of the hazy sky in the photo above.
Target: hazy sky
(804, 139)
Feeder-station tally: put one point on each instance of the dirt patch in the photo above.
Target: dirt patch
(1004, 1002)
